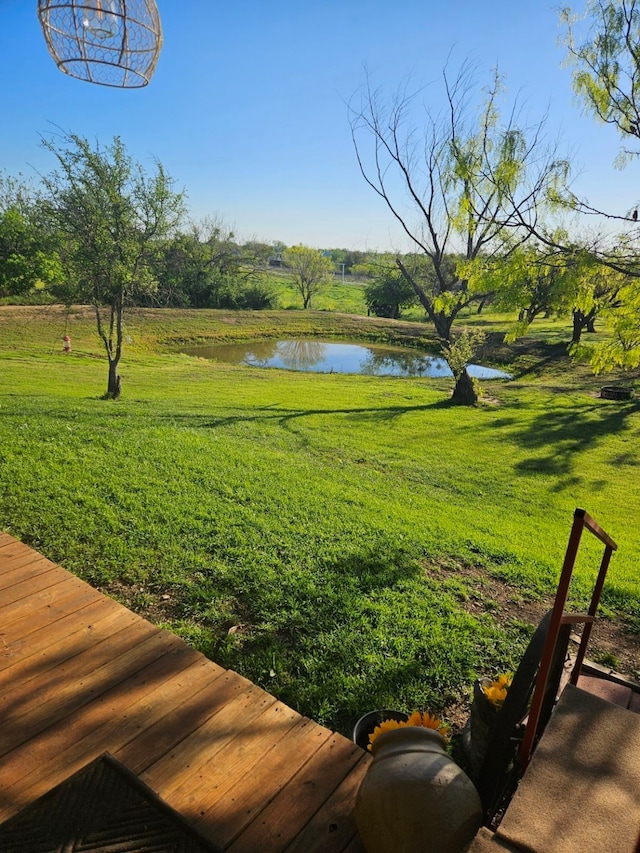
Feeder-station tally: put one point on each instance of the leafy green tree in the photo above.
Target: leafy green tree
(602, 46)
(623, 346)
(528, 280)
(596, 293)
(459, 353)
(17, 193)
(205, 268)
(27, 259)
(177, 271)
(196, 265)
(311, 271)
(257, 251)
(373, 264)
(111, 215)
(537, 281)
(346, 258)
(28, 250)
(388, 293)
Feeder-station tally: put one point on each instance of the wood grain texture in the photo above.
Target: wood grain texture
(81, 675)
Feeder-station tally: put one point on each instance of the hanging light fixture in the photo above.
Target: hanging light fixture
(111, 42)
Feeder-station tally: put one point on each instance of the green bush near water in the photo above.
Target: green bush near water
(312, 531)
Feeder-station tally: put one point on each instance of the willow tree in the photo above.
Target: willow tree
(460, 181)
(538, 280)
(603, 49)
(110, 214)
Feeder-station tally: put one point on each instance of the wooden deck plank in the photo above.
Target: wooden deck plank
(229, 814)
(239, 762)
(333, 826)
(50, 663)
(28, 631)
(237, 758)
(287, 814)
(15, 609)
(80, 675)
(180, 721)
(24, 566)
(21, 646)
(42, 762)
(22, 591)
(7, 539)
(125, 673)
(75, 682)
(216, 732)
(157, 685)
(178, 691)
(10, 548)
(47, 606)
(33, 671)
(114, 731)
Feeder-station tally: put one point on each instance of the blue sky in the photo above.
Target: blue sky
(247, 108)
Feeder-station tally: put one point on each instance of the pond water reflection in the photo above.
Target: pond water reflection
(332, 357)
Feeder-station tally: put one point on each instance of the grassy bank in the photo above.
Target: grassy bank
(334, 538)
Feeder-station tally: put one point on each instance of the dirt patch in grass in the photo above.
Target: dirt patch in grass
(614, 642)
(159, 608)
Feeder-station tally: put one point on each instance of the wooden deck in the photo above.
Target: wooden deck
(81, 675)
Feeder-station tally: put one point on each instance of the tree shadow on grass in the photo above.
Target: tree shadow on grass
(568, 432)
(371, 630)
(524, 357)
(282, 416)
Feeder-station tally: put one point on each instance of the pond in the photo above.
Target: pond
(332, 357)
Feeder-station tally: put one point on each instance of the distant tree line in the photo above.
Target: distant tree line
(99, 204)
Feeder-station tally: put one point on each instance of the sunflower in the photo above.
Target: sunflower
(423, 720)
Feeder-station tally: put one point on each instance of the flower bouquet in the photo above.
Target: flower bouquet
(488, 699)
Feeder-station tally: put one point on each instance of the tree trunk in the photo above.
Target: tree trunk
(464, 393)
(114, 383)
(578, 325)
(113, 349)
(582, 321)
(443, 323)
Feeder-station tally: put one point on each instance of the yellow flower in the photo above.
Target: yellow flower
(496, 691)
(426, 720)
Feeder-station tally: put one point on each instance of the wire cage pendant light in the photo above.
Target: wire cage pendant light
(110, 42)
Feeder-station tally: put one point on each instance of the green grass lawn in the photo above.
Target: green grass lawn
(314, 532)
